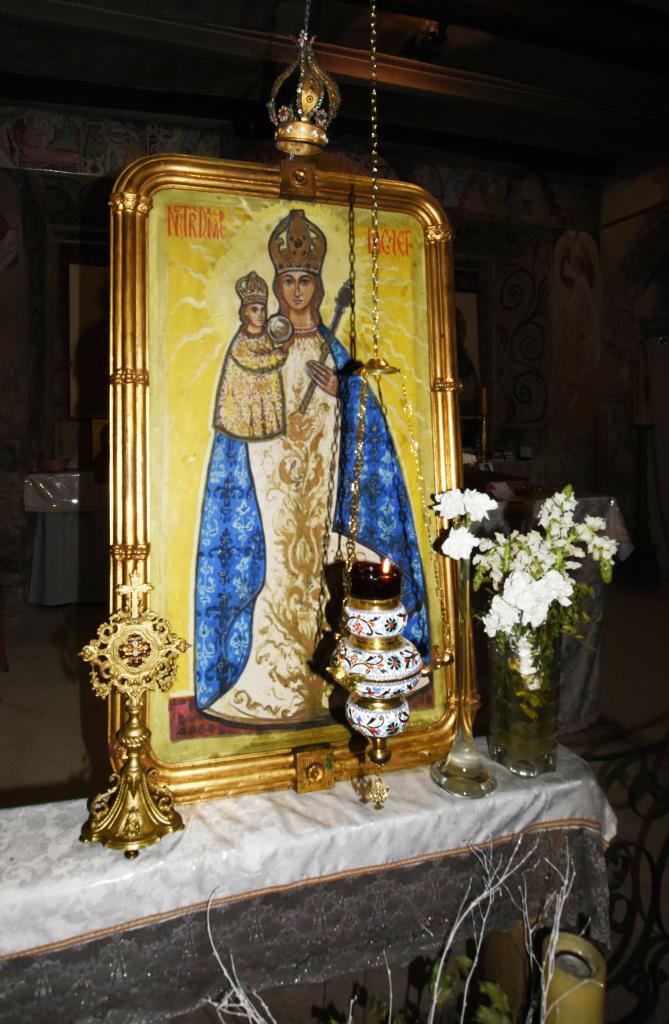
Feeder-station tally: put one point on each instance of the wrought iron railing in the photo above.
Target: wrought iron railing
(636, 782)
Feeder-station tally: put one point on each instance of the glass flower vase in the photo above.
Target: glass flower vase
(462, 773)
(524, 682)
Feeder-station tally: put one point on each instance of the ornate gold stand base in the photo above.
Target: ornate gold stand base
(137, 810)
(462, 774)
(142, 812)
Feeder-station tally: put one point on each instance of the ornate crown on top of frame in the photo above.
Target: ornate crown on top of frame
(301, 125)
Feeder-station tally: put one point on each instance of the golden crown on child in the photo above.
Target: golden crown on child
(251, 288)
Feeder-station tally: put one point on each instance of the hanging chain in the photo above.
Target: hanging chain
(374, 158)
(329, 518)
(303, 41)
(353, 339)
(354, 518)
(427, 518)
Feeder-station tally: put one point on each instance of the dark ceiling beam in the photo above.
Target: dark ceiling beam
(252, 123)
(618, 32)
(398, 74)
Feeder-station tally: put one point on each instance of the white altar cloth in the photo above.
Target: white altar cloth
(55, 891)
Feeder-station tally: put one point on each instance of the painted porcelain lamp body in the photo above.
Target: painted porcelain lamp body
(373, 660)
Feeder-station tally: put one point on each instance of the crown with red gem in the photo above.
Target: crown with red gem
(297, 244)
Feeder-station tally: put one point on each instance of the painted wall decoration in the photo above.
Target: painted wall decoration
(43, 139)
(514, 267)
(635, 257)
(521, 326)
(498, 191)
(576, 296)
(477, 189)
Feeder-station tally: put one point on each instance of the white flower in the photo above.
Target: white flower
(526, 664)
(603, 548)
(533, 598)
(501, 618)
(490, 560)
(557, 513)
(559, 587)
(517, 582)
(449, 504)
(460, 543)
(477, 504)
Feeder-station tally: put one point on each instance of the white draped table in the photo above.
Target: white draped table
(300, 886)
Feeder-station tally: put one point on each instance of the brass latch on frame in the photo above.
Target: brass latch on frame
(314, 768)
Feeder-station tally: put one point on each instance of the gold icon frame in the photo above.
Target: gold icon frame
(136, 261)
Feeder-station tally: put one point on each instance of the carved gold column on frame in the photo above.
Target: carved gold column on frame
(129, 382)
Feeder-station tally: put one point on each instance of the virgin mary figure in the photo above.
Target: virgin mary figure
(276, 509)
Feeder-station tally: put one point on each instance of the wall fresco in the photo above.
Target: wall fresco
(502, 191)
(635, 268)
(36, 139)
(576, 295)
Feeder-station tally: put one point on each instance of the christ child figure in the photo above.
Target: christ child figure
(250, 403)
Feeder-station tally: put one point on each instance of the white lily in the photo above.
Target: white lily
(460, 543)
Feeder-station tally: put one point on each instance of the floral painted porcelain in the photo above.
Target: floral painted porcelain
(378, 666)
(381, 722)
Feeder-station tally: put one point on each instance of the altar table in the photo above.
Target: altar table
(299, 888)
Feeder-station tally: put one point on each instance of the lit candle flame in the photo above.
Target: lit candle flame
(385, 566)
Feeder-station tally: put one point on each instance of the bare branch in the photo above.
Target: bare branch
(390, 989)
(496, 874)
(235, 1002)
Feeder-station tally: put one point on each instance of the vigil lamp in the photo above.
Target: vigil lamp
(373, 661)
